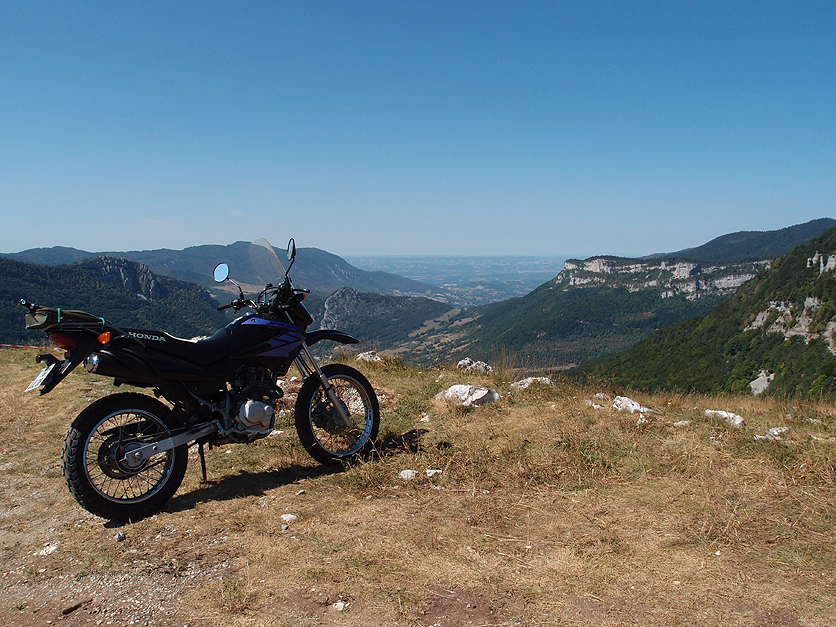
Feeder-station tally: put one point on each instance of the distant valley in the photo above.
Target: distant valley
(470, 281)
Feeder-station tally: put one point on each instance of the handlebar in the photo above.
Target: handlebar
(280, 298)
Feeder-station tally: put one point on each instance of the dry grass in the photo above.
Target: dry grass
(547, 512)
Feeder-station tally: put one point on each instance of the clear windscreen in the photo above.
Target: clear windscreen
(265, 263)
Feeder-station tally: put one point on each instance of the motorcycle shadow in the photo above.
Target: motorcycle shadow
(246, 484)
(406, 442)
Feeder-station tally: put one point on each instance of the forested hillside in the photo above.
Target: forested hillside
(554, 326)
(779, 325)
(180, 308)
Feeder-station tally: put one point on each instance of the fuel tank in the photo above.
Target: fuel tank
(273, 343)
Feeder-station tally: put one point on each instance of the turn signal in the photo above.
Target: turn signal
(104, 338)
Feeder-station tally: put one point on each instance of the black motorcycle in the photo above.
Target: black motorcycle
(125, 455)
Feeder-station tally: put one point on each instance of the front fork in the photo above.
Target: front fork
(307, 366)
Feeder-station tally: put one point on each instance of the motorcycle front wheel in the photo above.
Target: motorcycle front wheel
(318, 422)
(97, 465)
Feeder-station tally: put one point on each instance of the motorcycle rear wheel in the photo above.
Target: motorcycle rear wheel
(96, 463)
(319, 426)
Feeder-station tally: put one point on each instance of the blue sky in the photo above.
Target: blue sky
(414, 128)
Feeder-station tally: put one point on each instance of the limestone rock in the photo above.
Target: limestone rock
(732, 419)
(468, 365)
(775, 434)
(371, 357)
(468, 395)
(760, 384)
(526, 383)
(622, 403)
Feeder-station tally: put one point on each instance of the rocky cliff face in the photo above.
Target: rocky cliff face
(807, 320)
(669, 278)
(133, 276)
(340, 308)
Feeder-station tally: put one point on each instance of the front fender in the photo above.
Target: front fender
(337, 336)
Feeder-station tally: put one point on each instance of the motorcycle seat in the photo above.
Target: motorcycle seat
(199, 350)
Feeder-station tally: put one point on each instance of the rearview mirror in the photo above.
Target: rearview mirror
(291, 250)
(221, 273)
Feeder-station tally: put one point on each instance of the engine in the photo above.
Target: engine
(256, 415)
(254, 397)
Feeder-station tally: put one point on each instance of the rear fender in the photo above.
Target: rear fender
(65, 366)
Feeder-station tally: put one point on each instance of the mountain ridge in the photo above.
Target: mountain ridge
(315, 269)
(751, 245)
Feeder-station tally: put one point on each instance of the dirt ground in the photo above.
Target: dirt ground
(547, 511)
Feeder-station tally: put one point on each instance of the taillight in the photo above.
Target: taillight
(63, 341)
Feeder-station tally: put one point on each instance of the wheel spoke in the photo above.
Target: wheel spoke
(106, 462)
(327, 425)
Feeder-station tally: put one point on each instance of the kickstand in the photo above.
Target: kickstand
(202, 461)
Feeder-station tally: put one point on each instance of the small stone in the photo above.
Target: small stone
(424, 417)
(49, 549)
(469, 365)
(408, 474)
(526, 383)
(682, 423)
(775, 434)
(432, 472)
(732, 419)
(339, 606)
(120, 536)
(77, 605)
(622, 403)
(371, 357)
(289, 518)
(468, 395)
(285, 526)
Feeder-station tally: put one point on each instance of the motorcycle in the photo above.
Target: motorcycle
(125, 455)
